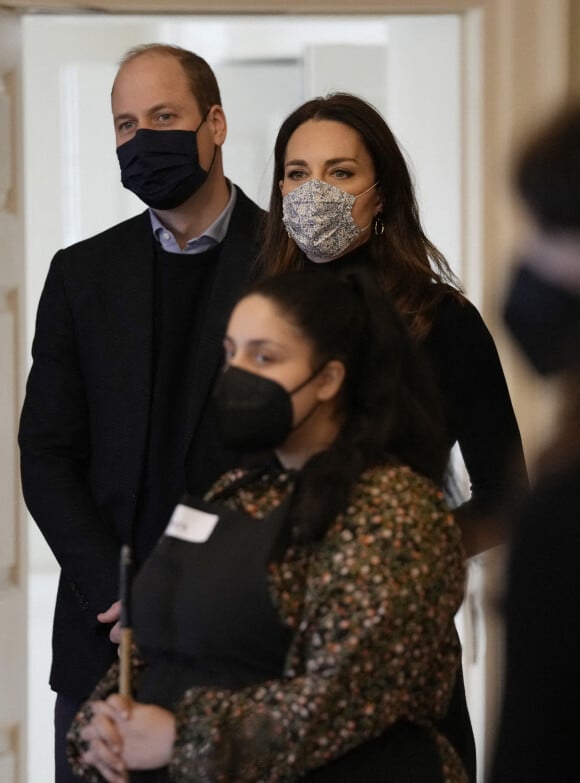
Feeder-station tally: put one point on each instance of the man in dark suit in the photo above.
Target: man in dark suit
(115, 423)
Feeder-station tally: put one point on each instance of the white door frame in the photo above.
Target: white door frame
(13, 544)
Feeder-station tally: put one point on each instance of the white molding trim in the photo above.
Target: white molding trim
(8, 454)
(6, 149)
(7, 755)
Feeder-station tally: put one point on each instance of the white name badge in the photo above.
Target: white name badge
(191, 524)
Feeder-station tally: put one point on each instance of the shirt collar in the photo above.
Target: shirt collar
(212, 236)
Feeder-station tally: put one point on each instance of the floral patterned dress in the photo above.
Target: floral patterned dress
(371, 609)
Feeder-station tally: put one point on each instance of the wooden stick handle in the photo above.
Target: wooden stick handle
(125, 663)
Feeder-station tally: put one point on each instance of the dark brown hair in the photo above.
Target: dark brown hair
(403, 260)
(389, 404)
(547, 179)
(547, 172)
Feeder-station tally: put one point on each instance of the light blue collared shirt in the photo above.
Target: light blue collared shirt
(211, 237)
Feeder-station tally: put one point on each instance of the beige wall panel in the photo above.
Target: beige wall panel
(575, 48)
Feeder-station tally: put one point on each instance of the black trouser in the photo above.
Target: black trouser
(65, 709)
(456, 726)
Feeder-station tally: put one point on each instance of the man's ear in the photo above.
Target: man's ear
(330, 380)
(218, 125)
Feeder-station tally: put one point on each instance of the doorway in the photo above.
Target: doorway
(266, 66)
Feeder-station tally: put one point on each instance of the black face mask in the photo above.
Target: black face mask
(545, 321)
(161, 167)
(254, 413)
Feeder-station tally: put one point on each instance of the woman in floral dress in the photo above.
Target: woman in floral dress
(297, 622)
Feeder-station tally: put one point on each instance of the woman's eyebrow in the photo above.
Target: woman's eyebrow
(329, 162)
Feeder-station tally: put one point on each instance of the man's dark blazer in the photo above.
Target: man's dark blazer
(84, 425)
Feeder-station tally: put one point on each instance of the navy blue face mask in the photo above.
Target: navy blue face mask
(162, 167)
(545, 320)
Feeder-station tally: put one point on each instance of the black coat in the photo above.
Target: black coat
(84, 425)
(538, 730)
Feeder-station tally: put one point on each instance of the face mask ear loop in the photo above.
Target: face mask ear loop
(310, 378)
(215, 149)
(215, 146)
(367, 190)
(364, 228)
(203, 119)
(301, 386)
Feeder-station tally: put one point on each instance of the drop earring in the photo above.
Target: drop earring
(378, 225)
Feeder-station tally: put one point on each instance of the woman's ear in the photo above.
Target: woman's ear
(330, 380)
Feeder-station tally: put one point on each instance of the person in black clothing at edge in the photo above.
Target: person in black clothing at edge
(539, 726)
(298, 624)
(342, 198)
(127, 345)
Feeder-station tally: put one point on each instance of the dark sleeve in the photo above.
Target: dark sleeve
(539, 725)
(54, 439)
(108, 685)
(480, 415)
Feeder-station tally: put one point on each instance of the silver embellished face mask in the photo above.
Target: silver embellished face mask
(318, 217)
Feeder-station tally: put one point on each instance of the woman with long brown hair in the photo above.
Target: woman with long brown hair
(342, 198)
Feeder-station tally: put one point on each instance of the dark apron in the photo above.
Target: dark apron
(203, 616)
